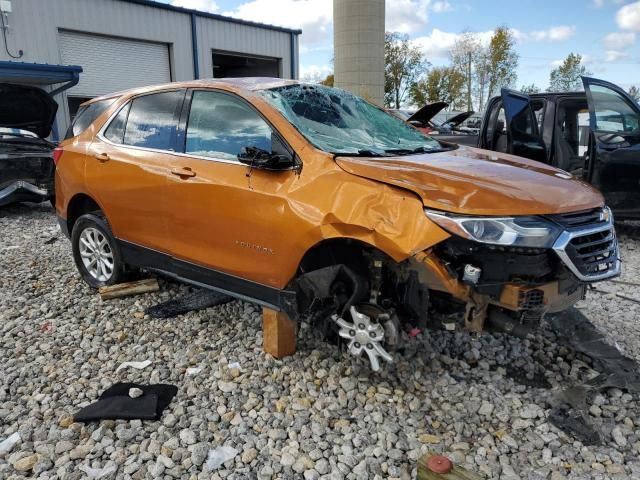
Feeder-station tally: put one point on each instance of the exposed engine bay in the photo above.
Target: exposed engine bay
(26, 175)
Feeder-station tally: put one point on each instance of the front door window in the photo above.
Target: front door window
(220, 126)
(613, 113)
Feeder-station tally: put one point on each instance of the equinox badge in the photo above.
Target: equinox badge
(254, 246)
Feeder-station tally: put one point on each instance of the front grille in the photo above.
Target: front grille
(595, 253)
(589, 250)
(578, 219)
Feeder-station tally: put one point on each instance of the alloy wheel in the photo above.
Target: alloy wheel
(96, 254)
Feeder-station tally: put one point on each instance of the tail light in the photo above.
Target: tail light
(57, 153)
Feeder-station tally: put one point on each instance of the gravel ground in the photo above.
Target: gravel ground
(317, 414)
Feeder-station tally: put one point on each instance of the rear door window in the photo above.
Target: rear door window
(220, 126)
(87, 115)
(152, 120)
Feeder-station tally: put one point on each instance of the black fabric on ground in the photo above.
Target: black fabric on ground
(164, 391)
(120, 408)
(571, 404)
(114, 403)
(196, 301)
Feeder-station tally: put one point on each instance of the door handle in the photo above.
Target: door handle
(102, 157)
(183, 172)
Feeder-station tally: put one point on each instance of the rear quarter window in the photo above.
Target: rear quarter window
(87, 115)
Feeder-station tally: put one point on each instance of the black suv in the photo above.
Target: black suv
(594, 135)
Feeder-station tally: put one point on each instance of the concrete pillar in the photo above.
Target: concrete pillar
(358, 47)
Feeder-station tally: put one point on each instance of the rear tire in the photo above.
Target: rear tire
(96, 252)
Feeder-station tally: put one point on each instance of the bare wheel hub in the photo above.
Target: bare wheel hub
(96, 254)
(363, 334)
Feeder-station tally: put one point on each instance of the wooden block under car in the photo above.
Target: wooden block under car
(129, 288)
(278, 333)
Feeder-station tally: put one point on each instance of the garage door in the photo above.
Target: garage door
(112, 64)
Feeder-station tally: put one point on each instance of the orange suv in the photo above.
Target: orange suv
(311, 201)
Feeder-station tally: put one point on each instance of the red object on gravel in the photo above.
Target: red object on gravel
(439, 464)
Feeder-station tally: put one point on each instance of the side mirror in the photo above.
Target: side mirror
(261, 159)
(279, 158)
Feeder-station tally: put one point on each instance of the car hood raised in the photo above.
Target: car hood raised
(426, 113)
(478, 182)
(458, 119)
(27, 108)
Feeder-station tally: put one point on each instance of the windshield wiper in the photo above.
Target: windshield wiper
(409, 151)
(362, 153)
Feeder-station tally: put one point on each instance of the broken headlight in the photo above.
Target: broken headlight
(534, 232)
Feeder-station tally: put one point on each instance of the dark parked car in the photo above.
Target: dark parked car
(594, 135)
(26, 157)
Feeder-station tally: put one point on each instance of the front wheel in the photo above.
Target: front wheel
(96, 252)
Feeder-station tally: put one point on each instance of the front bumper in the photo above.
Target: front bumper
(22, 191)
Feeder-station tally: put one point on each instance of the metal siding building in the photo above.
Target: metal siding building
(122, 44)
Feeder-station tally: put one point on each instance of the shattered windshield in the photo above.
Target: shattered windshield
(338, 122)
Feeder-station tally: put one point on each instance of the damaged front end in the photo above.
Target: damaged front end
(519, 269)
(27, 168)
(494, 278)
(26, 176)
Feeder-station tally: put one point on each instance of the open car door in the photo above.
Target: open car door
(614, 160)
(523, 136)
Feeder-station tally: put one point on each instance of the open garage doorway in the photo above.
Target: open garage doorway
(229, 64)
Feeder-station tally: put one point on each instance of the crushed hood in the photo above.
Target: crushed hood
(426, 113)
(478, 182)
(27, 108)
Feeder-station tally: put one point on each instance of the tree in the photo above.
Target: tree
(404, 65)
(328, 81)
(464, 57)
(501, 62)
(566, 77)
(529, 89)
(634, 92)
(442, 84)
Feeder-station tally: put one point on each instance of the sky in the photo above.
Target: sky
(605, 32)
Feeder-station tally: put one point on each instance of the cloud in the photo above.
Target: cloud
(628, 17)
(439, 7)
(619, 40)
(406, 16)
(202, 5)
(586, 60)
(315, 73)
(438, 44)
(314, 17)
(614, 55)
(552, 34)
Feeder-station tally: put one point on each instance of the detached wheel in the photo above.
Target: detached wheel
(96, 252)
